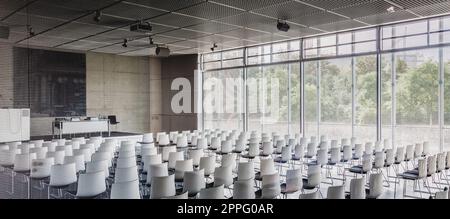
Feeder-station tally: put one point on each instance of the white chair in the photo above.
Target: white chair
(336, 192)
(61, 176)
(174, 157)
(97, 156)
(147, 138)
(148, 151)
(22, 162)
(313, 178)
(156, 170)
(164, 140)
(229, 160)
(243, 189)
(299, 152)
(194, 182)
(375, 186)
(150, 160)
(182, 141)
(208, 164)
(95, 166)
(126, 162)
(246, 171)
(126, 174)
(40, 168)
(125, 190)
(216, 192)
(195, 155)
(267, 167)
(293, 182)
(58, 155)
(40, 152)
(310, 150)
(181, 166)
(253, 151)
(91, 184)
(162, 187)
(313, 195)
(202, 143)
(86, 152)
(223, 176)
(270, 186)
(166, 151)
(357, 190)
(78, 160)
(226, 147)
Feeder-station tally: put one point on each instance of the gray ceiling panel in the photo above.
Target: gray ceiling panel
(242, 33)
(107, 20)
(331, 5)
(177, 20)
(132, 11)
(192, 43)
(435, 9)
(18, 22)
(407, 4)
(85, 5)
(184, 33)
(366, 9)
(115, 49)
(209, 10)
(9, 6)
(168, 5)
(250, 4)
(287, 10)
(75, 30)
(387, 17)
(318, 19)
(216, 38)
(212, 27)
(341, 25)
(82, 45)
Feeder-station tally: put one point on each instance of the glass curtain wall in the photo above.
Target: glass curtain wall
(329, 86)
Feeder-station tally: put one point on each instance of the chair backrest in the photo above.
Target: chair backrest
(126, 162)
(147, 137)
(333, 143)
(91, 184)
(166, 151)
(163, 186)
(418, 150)
(148, 151)
(181, 166)
(368, 148)
(240, 145)
(312, 195)
(378, 147)
(243, 189)
(357, 190)
(157, 170)
(375, 185)
(379, 160)
(226, 147)
(409, 152)
(322, 156)
(267, 166)
(253, 149)
(441, 161)
(347, 153)
(294, 180)
(40, 152)
(311, 149)
(246, 171)
(215, 142)
(367, 162)
(279, 145)
(400, 155)
(271, 187)
(336, 192)
(441, 195)
(223, 175)
(126, 174)
(358, 151)
(195, 155)
(447, 162)
(125, 190)
(22, 162)
(194, 181)
(182, 141)
(422, 168)
(267, 148)
(229, 160)
(390, 157)
(78, 160)
(58, 155)
(174, 157)
(163, 140)
(208, 164)
(173, 136)
(431, 165)
(216, 192)
(40, 168)
(150, 160)
(314, 175)
(323, 145)
(335, 155)
(63, 174)
(95, 166)
(299, 151)
(286, 153)
(426, 148)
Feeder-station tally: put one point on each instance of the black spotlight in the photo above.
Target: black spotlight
(125, 43)
(97, 16)
(31, 31)
(213, 47)
(151, 40)
(282, 26)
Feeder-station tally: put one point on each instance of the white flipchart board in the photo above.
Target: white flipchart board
(14, 125)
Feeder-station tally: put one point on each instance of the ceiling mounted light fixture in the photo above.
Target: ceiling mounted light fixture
(97, 16)
(125, 43)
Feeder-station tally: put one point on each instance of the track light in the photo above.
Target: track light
(151, 40)
(97, 16)
(30, 31)
(125, 43)
(213, 47)
(282, 26)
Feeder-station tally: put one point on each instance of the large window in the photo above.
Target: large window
(223, 92)
(334, 84)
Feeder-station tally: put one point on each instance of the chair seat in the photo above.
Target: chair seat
(410, 176)
(222, 153)
(357, 169)
(264, 155)
(236, 152)
(248, 157)
(284, 191)
(331, 163)
(306, 185)
(279, 160)
(295, 158)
